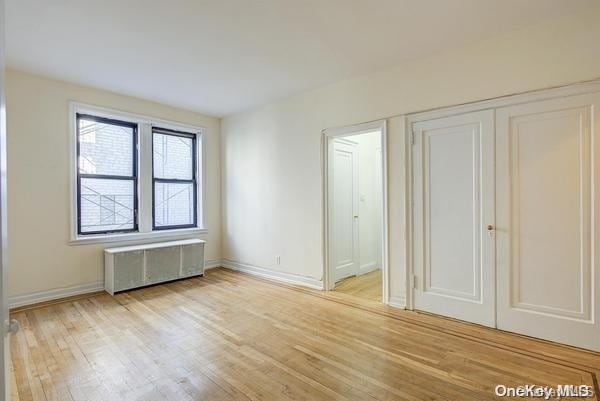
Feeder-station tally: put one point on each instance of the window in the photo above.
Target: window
(134, 177)
(174, 179)
(106, 176)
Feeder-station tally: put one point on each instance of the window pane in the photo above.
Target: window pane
(173, 157)
(105, 148)
(173, 204)
(106, 205)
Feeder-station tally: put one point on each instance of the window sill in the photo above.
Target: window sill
(182, 233)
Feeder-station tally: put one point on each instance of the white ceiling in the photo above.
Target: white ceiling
(223, 56)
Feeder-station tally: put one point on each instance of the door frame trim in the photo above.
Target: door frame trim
(327, 137)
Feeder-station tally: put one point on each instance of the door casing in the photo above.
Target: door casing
(328, 135)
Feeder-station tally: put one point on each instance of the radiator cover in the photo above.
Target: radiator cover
(140, 265)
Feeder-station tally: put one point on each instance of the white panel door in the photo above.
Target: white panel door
(547, 180)
(343, 212)
(453, 165)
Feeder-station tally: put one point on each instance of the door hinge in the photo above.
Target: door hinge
(415, 281)
(412, 138)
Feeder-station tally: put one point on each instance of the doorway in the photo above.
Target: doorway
(355, 211)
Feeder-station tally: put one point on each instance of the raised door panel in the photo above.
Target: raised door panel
(452, 219)
(128, 270)
(546, 208)
(163, 264)
(192, 263)
(453, 189)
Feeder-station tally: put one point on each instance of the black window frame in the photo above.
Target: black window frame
(134, 177)
(193, 181)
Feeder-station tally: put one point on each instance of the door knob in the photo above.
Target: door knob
(356, 216)
(491, 230)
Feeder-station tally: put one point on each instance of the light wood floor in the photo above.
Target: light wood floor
(231, 336)
(366, 286)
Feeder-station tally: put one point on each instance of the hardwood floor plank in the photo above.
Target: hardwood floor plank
(230, 336)
(366, 286)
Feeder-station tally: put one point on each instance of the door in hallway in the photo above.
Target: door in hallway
(343, 198)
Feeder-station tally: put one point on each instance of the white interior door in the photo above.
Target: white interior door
(453, 165)
(343, 209)
(548, 178)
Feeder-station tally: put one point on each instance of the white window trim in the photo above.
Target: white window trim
(144, 189)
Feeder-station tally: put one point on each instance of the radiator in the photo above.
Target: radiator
(139, 265)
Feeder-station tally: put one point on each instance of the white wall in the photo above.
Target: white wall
(38, 181)
(272, 155)
(271, 167)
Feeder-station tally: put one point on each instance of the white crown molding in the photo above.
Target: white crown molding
(273, 274)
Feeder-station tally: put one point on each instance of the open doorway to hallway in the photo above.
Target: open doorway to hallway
(355, 213)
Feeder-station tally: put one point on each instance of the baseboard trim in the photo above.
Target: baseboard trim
(211, 264)
(59, 293)
(368, 267)
(397, 302)
(66, 292)
(273, 274)
(52, 295)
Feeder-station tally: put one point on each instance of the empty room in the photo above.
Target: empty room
(299, 200)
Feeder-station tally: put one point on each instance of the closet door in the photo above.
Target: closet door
(453, 188)
(547, 203)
